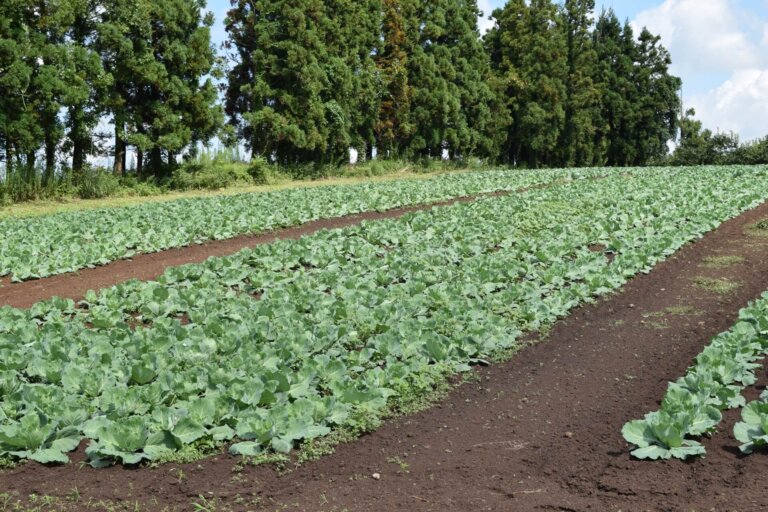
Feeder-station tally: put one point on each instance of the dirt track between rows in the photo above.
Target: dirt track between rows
(542, 431)
(539, 432)
(144, 267)
(74, 285)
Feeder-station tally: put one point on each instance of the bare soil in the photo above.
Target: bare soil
(539, 432)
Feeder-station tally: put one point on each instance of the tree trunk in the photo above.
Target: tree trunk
(31, 159)
(79, 142)
(120, 153)
(50, 158)
(156, 162)
(139, 163)
(8, 159)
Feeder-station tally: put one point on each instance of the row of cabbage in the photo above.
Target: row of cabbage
(279, 344)
(40, 247)
(693, 405)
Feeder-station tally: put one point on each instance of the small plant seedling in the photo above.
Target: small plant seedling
(404, 466)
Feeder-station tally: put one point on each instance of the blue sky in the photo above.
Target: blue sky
(719, 48)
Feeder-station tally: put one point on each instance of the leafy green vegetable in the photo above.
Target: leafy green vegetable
(39, 247)
(661, 435)
(752, 431)
(282, 343)
(35, 437)
(692, 404)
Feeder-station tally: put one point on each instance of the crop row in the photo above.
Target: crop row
(692, 406)
(40, 247)
(279, 344)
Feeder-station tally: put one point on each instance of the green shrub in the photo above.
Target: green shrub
(262, 172)
(210, 176)
(95, 183)
(308, 171)
(376, 167)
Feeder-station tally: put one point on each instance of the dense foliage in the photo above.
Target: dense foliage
(699, 146)
(581, 95)
(278, 345)
(64, 65)
(306, 81)
(545, 87)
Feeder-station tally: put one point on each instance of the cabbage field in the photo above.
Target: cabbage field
(45, 246)
(277, 345)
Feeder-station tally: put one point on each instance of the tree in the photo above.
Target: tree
(158, 53)
(582, 93)
(699, 146)
(658, 103)
(614, 46)
(528, 52)
(18, 124)
(352, 34)
(393, 127)
(275, 92)
(87, 81)
(452, 101)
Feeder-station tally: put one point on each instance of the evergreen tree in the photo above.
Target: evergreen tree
(393, 127)
(452, 102)
(528, 50)
(614, 46)
(276, 86)
(351, 38)
(582, 94)
(19, 128)
(87, 81)
(658, 104)
(158, 53)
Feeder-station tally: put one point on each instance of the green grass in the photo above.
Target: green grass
(721, 286)
(722, 261)
(758, 229)
(680, 310)
(53, 206)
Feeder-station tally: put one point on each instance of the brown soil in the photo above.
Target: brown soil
(540, 432)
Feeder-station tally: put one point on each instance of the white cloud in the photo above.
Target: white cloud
(739, 105)
(703, 36)
(717, 40)
(484, 23)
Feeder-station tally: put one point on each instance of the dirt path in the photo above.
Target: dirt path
(540, 432)
(74, 285)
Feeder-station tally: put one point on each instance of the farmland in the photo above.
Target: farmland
(269, 350)
(50, 245)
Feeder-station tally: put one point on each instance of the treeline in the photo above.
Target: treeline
(700, 146)
(304, 81)
(67, 64)
(547, 86)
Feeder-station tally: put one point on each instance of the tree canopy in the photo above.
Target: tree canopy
(304, 82)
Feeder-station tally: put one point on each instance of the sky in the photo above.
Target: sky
(719, 48)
